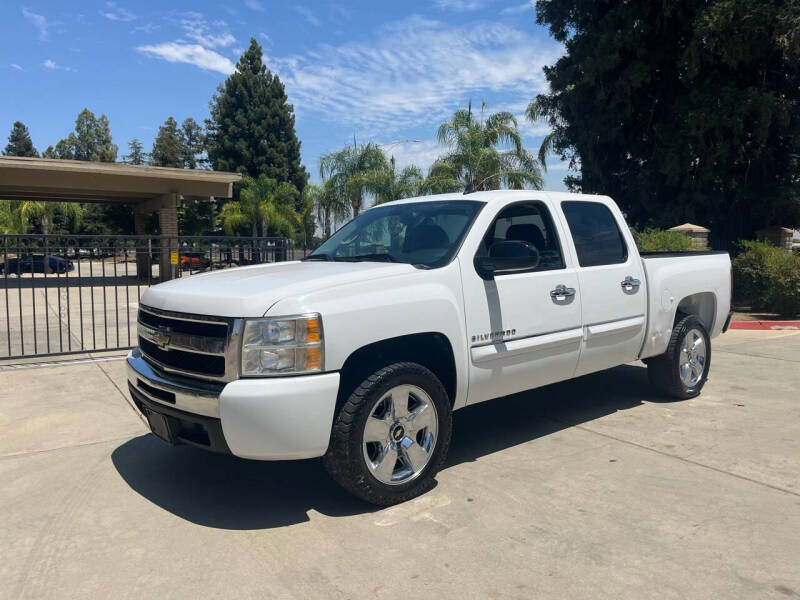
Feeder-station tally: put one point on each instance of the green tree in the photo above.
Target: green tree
(194, 143)
(329, 206)
(169, 149)
(682, 111)
(354, 172)
(251, 129)
(393, 185)
(11, 220)
(19, 141)
(91, 140)
(137, 155)
(484, 153)
(265, 202)
(45, 212)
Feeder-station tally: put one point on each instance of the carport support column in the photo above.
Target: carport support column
(143, 265)
(168, 226)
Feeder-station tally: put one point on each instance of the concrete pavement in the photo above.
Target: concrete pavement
(595, 488)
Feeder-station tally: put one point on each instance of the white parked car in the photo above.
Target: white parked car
(360, 352)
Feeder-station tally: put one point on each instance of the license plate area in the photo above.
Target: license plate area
(160, 426)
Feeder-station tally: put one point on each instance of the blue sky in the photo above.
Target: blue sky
(383, 71)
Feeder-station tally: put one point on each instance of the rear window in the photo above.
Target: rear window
(597, 238)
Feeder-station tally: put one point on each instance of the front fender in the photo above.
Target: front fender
(357, 314)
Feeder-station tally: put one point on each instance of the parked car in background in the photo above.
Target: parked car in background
(417, 308)
(35, 263)
(195, 261)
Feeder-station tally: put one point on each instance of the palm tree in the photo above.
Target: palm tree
(11, 220)
(45, 211)
(352, 171)
(330, 207)
(264, 202)
(390, 185)
(484, 153)
(555, 141)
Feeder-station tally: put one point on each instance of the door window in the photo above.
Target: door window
(529, 223)
(597, 238)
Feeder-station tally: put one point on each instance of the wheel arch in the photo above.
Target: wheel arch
(432, 350)
(703, 305)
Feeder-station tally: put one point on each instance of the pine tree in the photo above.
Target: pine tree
(19, 141)
(251, 129)
(168, 147)
(91, 140)
(137, 154)
(194, 143)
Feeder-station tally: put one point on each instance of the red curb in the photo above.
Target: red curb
(765, 325)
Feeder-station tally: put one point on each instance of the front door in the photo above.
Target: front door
(524, 328)
(612, 285)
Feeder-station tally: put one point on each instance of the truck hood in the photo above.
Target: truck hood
(251, 291)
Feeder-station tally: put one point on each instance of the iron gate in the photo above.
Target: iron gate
(66, 294)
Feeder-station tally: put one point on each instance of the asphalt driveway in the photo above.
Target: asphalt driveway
(595, 488)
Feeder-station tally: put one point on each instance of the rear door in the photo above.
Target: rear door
(524, 327)
(611, 282)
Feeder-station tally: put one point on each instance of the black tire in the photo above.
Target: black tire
(664, 371)
(345, 460)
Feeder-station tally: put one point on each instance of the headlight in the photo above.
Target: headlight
(283, 345)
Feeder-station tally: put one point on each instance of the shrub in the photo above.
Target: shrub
(768, 278)
(659, 240)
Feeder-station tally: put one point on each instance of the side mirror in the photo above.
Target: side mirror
(484, 266)
(509, 256)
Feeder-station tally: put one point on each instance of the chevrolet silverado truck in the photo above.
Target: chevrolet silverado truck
(360, 352)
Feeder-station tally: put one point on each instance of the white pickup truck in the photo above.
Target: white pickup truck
(360, 352)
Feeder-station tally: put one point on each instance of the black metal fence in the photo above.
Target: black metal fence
(71, 294)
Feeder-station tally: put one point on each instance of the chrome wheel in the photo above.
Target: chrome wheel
(400, 434)
(692, 363)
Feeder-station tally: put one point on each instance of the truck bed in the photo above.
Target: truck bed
(673, 279)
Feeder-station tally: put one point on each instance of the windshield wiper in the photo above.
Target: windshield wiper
(368, 257)
(321, 256)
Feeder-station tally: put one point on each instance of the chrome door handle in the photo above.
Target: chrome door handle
(562, 291)
(630, 283)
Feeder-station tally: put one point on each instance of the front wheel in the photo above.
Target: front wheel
(682, 371)
(391, 436)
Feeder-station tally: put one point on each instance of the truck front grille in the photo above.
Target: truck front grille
(189, 345)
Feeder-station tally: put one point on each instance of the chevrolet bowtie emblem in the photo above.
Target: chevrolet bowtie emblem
(161, 337)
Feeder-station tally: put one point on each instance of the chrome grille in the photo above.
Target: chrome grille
(190, 345)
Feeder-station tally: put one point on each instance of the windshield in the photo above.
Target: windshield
(425, 234)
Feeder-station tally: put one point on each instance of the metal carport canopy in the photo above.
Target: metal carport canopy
(23, 178)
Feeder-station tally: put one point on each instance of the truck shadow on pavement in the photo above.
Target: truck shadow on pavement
(226, 492)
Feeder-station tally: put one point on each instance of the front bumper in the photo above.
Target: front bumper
(275, 418)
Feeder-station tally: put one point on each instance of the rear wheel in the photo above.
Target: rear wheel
(682, 371)
(391, 436)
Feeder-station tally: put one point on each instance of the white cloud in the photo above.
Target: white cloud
(308, 15)
(208, 34)
(254, 5)
(115, 12)
(16, 66)
(519, 8)
(420, 153)
(52, 65)
(415, 72)
(191, 54)
(559, 165)
(147, 28)
(39, 22)
(458, 4)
